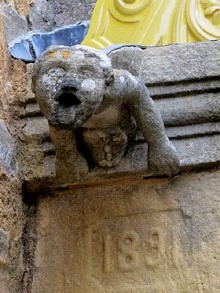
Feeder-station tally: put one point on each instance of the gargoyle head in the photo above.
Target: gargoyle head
(69, 83)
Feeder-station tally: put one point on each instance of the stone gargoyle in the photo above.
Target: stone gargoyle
(78, 91)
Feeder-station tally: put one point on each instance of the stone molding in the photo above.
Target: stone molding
(183, 81)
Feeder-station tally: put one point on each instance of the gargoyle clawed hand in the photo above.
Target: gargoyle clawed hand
(77, 88)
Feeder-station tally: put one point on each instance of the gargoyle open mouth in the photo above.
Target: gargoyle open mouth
(67, 97)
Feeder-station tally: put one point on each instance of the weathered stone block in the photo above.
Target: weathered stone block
(47, 15)
(14, 24)
(4, 247)
(7, 150)
(132, 236)
(183, 81)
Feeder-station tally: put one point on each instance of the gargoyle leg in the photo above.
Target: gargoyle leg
(162, 156)
(69, 162)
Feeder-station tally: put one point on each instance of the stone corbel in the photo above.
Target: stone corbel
(78, 91)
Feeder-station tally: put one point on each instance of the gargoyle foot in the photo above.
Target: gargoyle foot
(163, 159)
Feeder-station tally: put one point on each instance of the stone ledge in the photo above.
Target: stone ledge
(183, 81)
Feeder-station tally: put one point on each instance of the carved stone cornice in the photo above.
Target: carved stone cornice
(182, 79)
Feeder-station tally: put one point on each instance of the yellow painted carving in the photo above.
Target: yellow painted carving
(153, 22)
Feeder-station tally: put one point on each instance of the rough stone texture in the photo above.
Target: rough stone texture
(15, 79)
(187, 62)
(131, 236)
(11, 214)
(46, 15)
(123, 235)
(7, 150)
(14, 24)
(99, 103)
(189, 107)
(11, 225)
(41, 15)
(23, 6)
(14, 90)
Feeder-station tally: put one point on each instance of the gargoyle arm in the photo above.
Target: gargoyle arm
(162, 156)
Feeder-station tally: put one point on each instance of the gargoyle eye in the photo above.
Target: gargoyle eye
(51, 54)
(66, 54)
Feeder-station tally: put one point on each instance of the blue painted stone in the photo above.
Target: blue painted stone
(32, 45)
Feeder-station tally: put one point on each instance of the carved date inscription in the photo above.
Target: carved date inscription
(131, 250)
(124, 250)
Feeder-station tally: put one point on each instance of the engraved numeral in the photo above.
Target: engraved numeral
(152, 254)
(108, 266)
(129, 251)
(128, 256)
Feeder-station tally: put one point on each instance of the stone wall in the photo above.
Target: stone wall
(46, 15)
(16, 18)
(11, 214)
(158, 235)
(114, 235)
